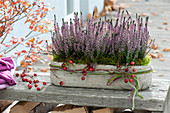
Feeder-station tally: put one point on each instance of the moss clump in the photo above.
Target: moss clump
(103, 60)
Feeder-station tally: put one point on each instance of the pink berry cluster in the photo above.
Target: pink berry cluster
(132, 76)
(30, 79)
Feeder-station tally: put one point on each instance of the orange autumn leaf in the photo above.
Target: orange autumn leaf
(34, 52)
(24, 64)
(18, 53)
(35, 29)
(46, 30)
(40, 42)
(35, 18)
(23, 51)
(40, 27)
(21, 62)
(39, 30)
(42, 31)
(31, 27)
(41, 15)
(32, 22)
(27, 43)
(31, 40)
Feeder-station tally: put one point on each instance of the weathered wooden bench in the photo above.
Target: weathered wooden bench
(156, 98)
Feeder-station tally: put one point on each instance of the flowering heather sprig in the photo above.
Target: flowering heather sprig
(125, 41)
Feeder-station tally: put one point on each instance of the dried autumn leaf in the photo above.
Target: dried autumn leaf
(160, 27)
(159, 55)
(164, 39)
(162, 59)
(153, 55)
(161, 75)
(155, 47)
(166, 50)
(168, 28)
(144, 14)
(165, 23)
(43, 70)
(154, 13)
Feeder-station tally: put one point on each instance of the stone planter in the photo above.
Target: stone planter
(98, 81)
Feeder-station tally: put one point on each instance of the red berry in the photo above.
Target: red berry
(132, 76)
(70, 61)
(25, 74)
(61, 83)
(36, 85)
(91, 69)
(30, 81)
(85, 69)
(134, 70)
(38, 88)
(35, 74)
(29, 86)
(65, 68)
(22, 75)
(24, 71)
(88, 67)
(63, 65)
(127, 70)
(83, 78)
(132, 63)
(84, 74)
(27, 80)
(130, 80)
(118, 66)
(126, 80)
(44, 83)
(17, 74)
(34, 81)
(23, 79)
(37, 81)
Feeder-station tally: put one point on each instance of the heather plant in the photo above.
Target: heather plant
(102, 42)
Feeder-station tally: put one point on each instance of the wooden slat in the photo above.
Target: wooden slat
(104, 110)
(23, 107)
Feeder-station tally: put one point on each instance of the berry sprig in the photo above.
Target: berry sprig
(30, 79)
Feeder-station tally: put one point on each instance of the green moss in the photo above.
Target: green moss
(101, 60)
(145, 61)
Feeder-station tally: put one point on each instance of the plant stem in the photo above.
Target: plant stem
(18, 43)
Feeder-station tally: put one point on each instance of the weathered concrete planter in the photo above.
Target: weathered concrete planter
(98, 81)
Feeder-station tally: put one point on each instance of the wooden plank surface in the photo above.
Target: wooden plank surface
(154, 98)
